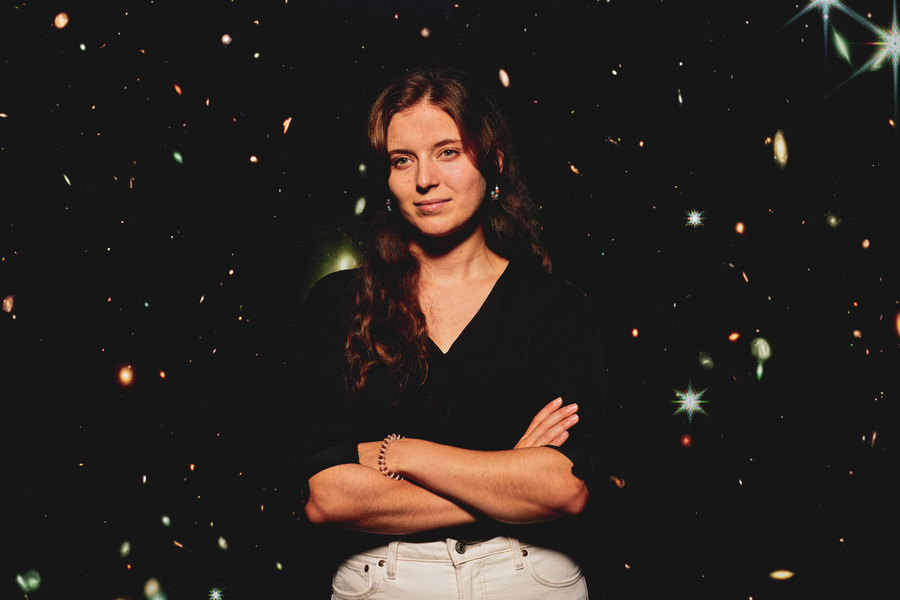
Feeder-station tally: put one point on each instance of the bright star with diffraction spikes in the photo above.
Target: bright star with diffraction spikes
(689, 401)
(694, 219)
(889, 40)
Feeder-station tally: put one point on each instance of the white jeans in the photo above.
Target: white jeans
(499, 568)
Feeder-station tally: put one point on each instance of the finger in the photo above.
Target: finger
(549, 428)
(543, 414)
(559, 440)
(557, 430)
(554, 419)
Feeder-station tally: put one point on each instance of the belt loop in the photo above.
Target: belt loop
(392, 559)
(518, 560)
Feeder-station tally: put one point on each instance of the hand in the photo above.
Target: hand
(550, 427)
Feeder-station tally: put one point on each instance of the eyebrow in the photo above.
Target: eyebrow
(446, 142)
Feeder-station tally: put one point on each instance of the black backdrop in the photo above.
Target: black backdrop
(158, 214)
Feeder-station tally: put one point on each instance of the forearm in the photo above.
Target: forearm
(361, 498)
(523, 485)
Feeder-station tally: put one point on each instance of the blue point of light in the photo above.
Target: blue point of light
(689, 401)
(694, 218)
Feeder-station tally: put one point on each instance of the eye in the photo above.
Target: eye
(400, 161)
(449, 152)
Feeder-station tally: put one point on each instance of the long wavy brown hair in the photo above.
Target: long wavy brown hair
(387, 324)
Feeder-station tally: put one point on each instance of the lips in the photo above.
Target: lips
(431, 205)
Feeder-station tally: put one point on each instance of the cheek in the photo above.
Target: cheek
(395, 184)
(478, 186)
(473, 183)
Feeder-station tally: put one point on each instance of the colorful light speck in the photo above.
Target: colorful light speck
(842, 48)
(780, 149)
(126, 376)
(760, 349)
(29, 582)
(152, 588)
(694, 219)
(781, 574)
(689, 401)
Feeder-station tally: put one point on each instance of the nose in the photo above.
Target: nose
(426, 176)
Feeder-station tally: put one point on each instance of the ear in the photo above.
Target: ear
(499, 161)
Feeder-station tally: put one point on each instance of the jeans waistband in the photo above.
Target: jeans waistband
(448, 550)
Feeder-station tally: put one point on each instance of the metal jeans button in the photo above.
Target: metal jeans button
(460, 548)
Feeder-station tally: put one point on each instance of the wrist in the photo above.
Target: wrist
(396, 459)
(382, 456)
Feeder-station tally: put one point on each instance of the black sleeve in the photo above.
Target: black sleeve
(576, 373)
(323, 435)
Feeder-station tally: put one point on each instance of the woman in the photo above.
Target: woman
(452, 334)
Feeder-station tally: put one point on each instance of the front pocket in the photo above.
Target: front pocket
(357, 578)
(552, 568)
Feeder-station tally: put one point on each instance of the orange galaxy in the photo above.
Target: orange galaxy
(126, 375)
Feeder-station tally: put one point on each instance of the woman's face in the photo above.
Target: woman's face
(435, 184)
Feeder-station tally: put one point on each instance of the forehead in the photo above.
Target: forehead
(422, 124)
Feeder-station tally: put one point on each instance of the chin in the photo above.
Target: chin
(444, 229)
(430, 228)
(438, 235)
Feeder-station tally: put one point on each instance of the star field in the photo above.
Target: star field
(718, 177)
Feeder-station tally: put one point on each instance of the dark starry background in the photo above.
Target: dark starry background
(117, 254)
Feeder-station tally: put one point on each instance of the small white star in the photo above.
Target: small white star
(694, 218)
(689, 401)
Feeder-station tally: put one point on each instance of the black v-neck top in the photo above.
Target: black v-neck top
(535, 338)
(479, 321)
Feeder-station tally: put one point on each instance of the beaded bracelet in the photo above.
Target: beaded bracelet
(382, 453)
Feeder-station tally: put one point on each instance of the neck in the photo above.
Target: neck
(455, 258)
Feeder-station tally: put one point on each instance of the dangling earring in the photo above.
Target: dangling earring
(388, 203)
(495, 193)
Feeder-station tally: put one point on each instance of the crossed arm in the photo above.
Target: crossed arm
(449, 486)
